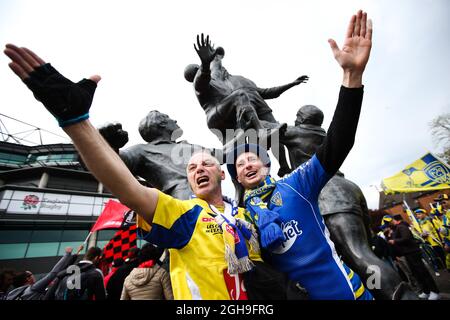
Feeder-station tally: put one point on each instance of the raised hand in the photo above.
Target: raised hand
(80, 248)
(67, 101)
(205, 50)
(68, 250)
(355, 52)
(302, 79)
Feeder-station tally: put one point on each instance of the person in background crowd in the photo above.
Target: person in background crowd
(23, 278)
(30, 289)
(381, 246)
(115, 283)
(430, 233)
(405, 245)
(400, 262)
(6, 282)
(90, 280)
(117, 263)
(149, 281)
(441, 210)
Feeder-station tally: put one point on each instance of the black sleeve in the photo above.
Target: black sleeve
(341, 133)
(63, 263)
(404, 235)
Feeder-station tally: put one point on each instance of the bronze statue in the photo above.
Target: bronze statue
(162, 160)
(234, 102)
(344, 208)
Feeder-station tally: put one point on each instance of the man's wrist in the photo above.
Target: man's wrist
(65, 123)
(352, 79)
(82, 126)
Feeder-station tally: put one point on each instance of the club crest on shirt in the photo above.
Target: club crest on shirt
(276, 199)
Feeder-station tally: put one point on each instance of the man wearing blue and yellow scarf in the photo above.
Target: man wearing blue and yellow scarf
(441, 212)
(294, 237)
(430, 233)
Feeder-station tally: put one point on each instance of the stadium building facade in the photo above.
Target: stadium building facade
(48, 201)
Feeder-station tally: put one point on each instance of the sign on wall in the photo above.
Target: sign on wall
(26, 202)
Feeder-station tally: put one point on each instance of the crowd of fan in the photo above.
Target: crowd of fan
(410, 248)
(141, 276)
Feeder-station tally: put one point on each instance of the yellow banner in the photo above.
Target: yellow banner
(426, 173)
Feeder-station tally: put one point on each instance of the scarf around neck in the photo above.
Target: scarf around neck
(267, 221)
(235, 232)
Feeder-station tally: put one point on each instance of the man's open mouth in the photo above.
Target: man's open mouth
(202, 181)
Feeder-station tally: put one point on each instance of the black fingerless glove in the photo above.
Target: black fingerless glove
(67, 101)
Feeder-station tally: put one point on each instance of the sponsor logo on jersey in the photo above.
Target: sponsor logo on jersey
(291, 232)
(212, 227)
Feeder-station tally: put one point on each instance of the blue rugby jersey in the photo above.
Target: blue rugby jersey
(308, 255)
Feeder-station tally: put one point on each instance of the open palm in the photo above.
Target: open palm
(357, 44)
(204, 49)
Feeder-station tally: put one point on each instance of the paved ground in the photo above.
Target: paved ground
(443, 282)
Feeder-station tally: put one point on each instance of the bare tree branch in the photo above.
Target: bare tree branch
(440, 132)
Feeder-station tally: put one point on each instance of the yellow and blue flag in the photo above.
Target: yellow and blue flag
(425, 174)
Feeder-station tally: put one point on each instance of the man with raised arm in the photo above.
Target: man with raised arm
(211, 243)
(294, 237)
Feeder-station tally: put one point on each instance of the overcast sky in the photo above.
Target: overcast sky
(140, 48)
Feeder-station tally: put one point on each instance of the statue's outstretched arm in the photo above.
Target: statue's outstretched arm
(275, 92)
